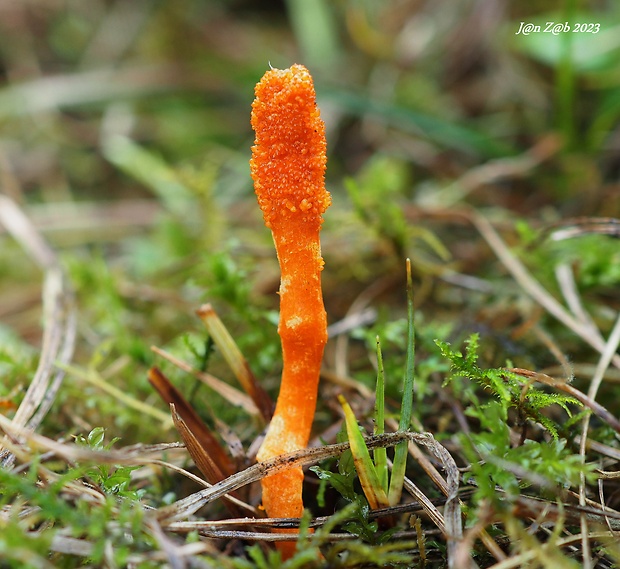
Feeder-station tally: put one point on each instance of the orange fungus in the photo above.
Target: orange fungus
(288, 168)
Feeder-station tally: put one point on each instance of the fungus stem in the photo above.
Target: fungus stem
(288, 168)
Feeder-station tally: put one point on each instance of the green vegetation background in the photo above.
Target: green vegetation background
(125, 139)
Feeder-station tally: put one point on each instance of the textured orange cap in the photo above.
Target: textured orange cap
(288, 157)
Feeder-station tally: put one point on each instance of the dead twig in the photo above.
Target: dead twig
(561, 385)
(535, 289)
(230, 393)
(59, 323)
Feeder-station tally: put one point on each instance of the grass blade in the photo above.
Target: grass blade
(380, 454)
(374, 492)
(406, 408)
(235, 360)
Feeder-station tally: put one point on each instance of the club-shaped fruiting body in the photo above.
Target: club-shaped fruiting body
(288, 168)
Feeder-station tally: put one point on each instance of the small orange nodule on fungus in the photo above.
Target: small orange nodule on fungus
(288, 168)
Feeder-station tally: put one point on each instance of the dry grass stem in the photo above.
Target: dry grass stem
(94, 378)
(561, 385)
(497, 170)
(525, 559)
(611, 347)
(72, 453)
(235, 360)
(59, 322)
(535, 289)
(187, 506)
(566, 279)
(230, 393)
